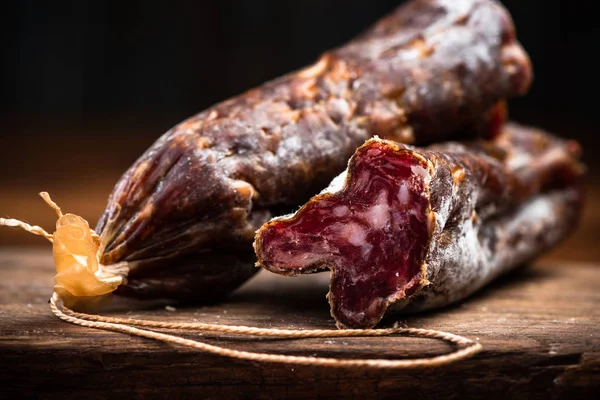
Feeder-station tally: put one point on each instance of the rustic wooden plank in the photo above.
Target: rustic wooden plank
(540, 328)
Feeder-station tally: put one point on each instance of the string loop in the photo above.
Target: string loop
(467, 347)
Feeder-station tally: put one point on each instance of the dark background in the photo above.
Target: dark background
(87, 86)
(165, 61)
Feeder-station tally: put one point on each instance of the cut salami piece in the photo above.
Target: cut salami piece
(430, 70)
(422, 228)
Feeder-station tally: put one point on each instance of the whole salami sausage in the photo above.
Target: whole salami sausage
(420, 228)
(429, 70)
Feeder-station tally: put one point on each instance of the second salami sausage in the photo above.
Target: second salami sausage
(421, 228)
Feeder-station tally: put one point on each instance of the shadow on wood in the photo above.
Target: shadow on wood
(539, 327)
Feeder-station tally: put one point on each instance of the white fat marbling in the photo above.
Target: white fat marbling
(378, 215)
(357, 235)
(341, 211)
(403, 193)
(421, 172)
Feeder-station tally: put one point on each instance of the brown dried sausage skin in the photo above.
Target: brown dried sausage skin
(422, 228)
(429, 70)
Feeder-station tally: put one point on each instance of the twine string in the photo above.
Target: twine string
(466, 347)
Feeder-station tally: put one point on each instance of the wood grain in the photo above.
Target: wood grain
(540, 328)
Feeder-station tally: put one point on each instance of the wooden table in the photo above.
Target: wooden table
(540, 328)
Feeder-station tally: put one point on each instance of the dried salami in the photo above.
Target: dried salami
(430, 70)
(420, 228)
